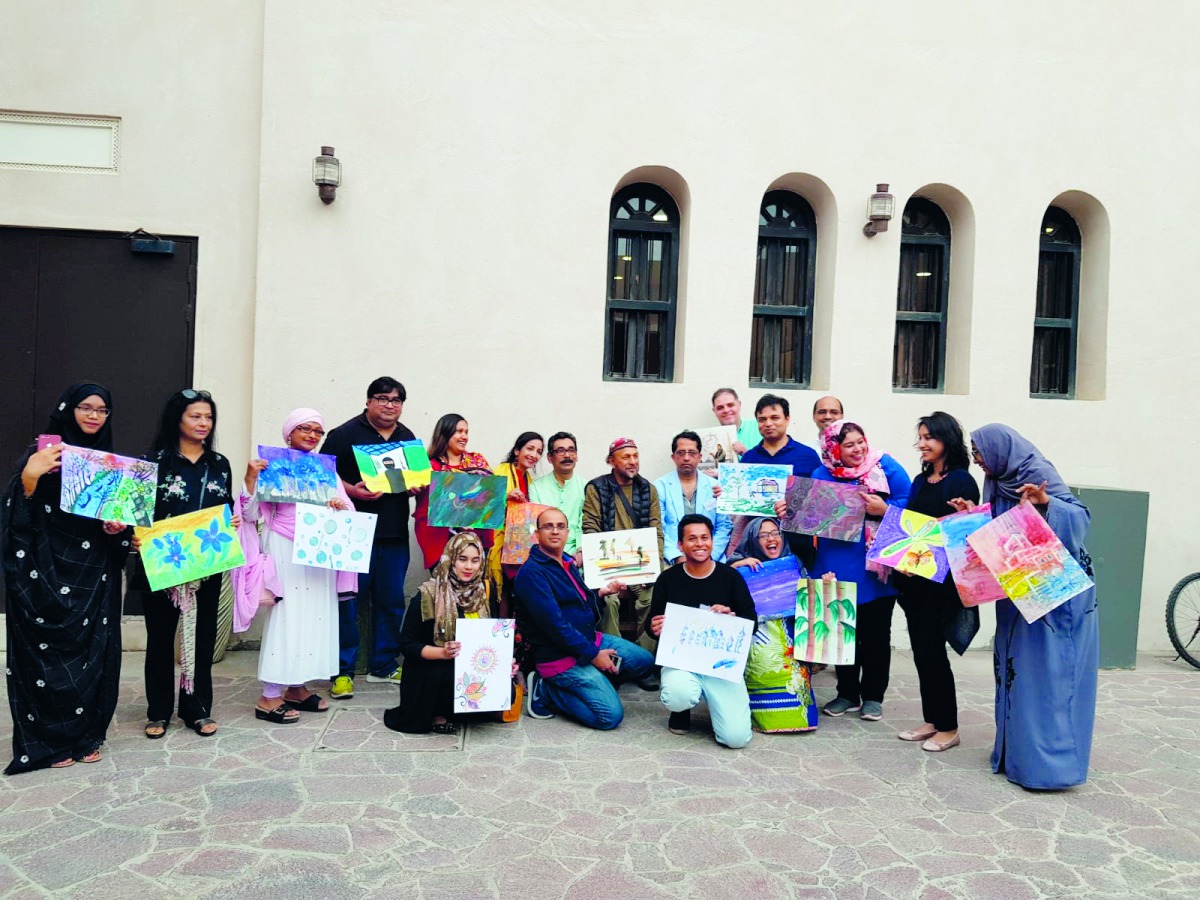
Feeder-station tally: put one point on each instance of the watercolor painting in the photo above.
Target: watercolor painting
(1036, 571)
(773, 586)
(462, 500)
(703, 642)
(825, 626)
(751, 489)
(975, 583)
(826, 509)
(293, 476)
(185, 548)
(716, 447)
(105, 486)
(910, 542)
(333, 539)
(483, 667)
(393, 468)
(520, 528)
(629, 556)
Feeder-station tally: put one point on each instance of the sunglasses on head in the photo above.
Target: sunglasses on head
(189, 394)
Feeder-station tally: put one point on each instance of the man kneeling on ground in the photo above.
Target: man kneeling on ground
(700, 582)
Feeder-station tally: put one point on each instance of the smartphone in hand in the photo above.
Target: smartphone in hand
(46, 440)
(616, 663)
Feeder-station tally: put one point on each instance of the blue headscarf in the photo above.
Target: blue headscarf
(1012, 461)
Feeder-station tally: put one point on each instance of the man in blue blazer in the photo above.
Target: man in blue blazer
(684, 492)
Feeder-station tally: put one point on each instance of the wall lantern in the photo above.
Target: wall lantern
(880, 209)
(327, 174)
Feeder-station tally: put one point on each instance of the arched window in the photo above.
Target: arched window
(781, 339)
(1056, 318)
(919, 353)
(643, 275)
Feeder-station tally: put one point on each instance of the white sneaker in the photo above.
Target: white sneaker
(394, 678)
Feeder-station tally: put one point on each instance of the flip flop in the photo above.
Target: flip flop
(278, 715)
(63, 764)
(93, 757)
(311, 703)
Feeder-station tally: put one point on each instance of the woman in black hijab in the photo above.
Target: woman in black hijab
(62, 575)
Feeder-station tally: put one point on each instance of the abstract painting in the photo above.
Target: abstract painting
(751, 489)
(483, 668)
(629, 556)
(1033, 567)
(333, 539)
(825, 626)
(773, 586)
(703, 642)
(393, 468)
(520, 526)
(975, 583)
(827, 509)
(293, 476)
(716, 447)
(194, 545)
(462, 500)
(911, 542)
(105, 486)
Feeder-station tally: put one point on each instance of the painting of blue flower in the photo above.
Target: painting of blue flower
(190, 547)
(213, 539)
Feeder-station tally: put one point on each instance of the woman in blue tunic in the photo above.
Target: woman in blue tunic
(1045, 671)
(850, 460)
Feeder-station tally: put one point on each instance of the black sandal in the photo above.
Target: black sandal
(445, 728)
(278, 715)
(199, 724)
(157, 723)
(311, 703)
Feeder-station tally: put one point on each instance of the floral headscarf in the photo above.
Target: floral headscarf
(868, 473)
(445, 598)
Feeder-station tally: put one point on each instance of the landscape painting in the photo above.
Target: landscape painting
(773, 586)
(825, 625)
(393, 468)
(974, 581)
(464, 500)
(826, 509)
(629, 556)
(293, 476)
(911, 542)
(751, 489)
(108, 487)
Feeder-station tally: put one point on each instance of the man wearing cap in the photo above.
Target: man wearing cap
(620, 501)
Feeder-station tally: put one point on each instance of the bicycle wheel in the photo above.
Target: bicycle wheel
(1183, 618)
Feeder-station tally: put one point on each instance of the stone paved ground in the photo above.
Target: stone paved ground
(339, 807)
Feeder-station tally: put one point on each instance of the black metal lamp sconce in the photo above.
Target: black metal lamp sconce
(327, 175)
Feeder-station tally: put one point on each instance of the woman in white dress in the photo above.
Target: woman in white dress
(300, 637)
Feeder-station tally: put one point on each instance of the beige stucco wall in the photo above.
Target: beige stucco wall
(481, 142)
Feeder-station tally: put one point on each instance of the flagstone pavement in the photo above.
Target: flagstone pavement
(338, 806)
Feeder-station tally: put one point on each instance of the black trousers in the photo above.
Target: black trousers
(867, 679)
(162, 620)
(927, 616)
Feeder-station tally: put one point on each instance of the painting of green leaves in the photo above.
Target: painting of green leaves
(106, 486)
(826, 618)
(188, 547)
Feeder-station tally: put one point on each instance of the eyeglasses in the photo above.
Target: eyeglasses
(101, 411)
(388, 401)
(189, 394)
(564, 451)
(557, 526)
(767, 534)
(308, 429)
(687, 453)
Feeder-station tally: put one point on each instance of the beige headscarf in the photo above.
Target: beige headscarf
(445, 599)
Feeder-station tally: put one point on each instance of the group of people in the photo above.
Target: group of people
(63, 577)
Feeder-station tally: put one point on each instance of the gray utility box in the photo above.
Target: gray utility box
(1117, 545)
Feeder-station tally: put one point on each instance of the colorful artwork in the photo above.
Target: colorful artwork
(750, 488)
(703, 642)
(293, 476)
(827, 509)
(393, 468)
(910, 542)
(1033, 567)
(105, 486)
(825, 626)
(974, 582)
(773, 587)
(716, 447)
(462, 500)
(333, 539)
(483, 667)
(188, 547)
(520, 527)
(629, 556)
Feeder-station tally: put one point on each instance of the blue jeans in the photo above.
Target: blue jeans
(384, 587)
(728, 703)
(587, 695)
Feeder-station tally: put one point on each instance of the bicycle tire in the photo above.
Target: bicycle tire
(1188, 646)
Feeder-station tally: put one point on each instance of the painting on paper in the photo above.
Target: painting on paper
(194, 545)
(911, 542)
(333, 539)
(1033, 567)
(773, 586)
(716, 447)
(751, 489)
(827, 509)
(974, 581)
(629, 556)
(520, 527)
(703, 642)
(105, 486)
(483, 667)
(463, 500)
(825, 625)
(393, 468)
(293, 476)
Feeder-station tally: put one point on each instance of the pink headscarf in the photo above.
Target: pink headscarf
(299, 417)
(868, 472)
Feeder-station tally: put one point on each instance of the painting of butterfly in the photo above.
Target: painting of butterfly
(911, 542)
